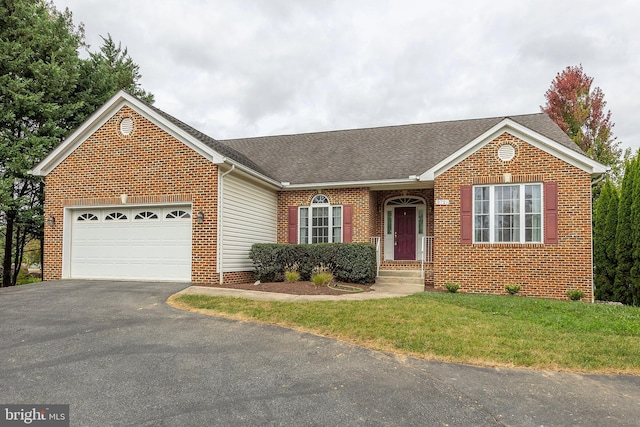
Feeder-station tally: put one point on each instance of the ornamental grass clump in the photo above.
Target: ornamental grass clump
(512, 289)
(291, 273)
(321, 275)
(575, 294)
(452, 287)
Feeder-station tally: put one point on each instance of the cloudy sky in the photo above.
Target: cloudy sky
(241, 68)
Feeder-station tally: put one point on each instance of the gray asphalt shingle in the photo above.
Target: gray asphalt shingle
(391, 152)
(371, 154)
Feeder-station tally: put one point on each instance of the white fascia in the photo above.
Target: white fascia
(102, 115)
(531, 137)
(344, 184)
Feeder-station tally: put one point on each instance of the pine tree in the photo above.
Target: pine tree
(634, 273)
(46, 91)
(624, 234)
(604, 241)
(38, 70)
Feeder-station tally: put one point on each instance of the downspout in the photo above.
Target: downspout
(593, 285)
(220, 218)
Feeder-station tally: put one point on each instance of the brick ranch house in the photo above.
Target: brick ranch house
(136, 194)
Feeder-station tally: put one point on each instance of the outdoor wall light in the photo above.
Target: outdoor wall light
(200, 217)
(51, 221)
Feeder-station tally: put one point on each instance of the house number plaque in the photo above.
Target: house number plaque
(442, 202)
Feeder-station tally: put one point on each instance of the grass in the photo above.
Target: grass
(462, 328)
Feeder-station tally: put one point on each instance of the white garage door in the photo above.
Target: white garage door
(144, 243)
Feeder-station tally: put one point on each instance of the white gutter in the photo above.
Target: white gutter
(220, 218)
(253, 173)
(411, 180)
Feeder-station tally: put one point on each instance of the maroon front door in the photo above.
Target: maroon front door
(405, 233)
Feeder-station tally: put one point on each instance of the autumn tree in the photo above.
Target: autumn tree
(579, 109)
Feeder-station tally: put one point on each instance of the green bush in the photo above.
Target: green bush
(452, 287)
(512, 289)
(575, 294)
(24, 278)
(350, 262)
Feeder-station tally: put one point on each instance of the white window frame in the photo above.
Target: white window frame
(522, 214)
(320, 201)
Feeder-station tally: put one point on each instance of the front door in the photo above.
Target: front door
(405, 233)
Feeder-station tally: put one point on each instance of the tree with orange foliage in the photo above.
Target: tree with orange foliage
(579, 110)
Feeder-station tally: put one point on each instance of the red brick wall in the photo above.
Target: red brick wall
(542, 270)
(360, 198)
(150, 166)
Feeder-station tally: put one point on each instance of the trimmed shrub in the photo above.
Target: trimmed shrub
(350, 262)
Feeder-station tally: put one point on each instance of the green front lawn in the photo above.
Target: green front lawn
(463, 328)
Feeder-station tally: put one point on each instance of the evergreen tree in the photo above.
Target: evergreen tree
(38, 71)
(46, 91)
(104, 73)
(634, 273)
(624, 234)
(604, 241)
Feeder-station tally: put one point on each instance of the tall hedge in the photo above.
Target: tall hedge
(349, 262)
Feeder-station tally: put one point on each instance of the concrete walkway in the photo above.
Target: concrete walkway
(379, 291)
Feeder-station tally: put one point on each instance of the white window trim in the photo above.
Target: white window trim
(309, 209)
(522, 213)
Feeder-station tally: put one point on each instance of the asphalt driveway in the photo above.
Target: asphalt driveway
(120, 356)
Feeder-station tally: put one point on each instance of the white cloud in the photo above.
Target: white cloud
(246, 68)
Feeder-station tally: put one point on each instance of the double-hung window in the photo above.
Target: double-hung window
(320, 222)
(507, 213)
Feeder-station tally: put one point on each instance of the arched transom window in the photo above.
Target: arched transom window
(320, 222)
(87, 217)
(178, 214)
(146, 215)
(115, 216)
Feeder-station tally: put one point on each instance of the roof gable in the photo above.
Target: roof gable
(199, 142)
(566, 152)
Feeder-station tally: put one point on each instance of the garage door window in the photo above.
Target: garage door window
(178, 214)
(146, 215)
(115, 216)
(87, 217)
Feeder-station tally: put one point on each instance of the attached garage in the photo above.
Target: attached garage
(132, 243)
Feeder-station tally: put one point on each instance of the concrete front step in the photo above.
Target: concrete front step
(405, 280)
(400, 273)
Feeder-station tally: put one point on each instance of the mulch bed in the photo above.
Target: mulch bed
(295, 288)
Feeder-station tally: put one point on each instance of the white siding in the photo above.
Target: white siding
(249, 215)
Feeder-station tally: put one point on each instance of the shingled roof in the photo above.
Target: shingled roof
(222, 149)
(382, 153)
